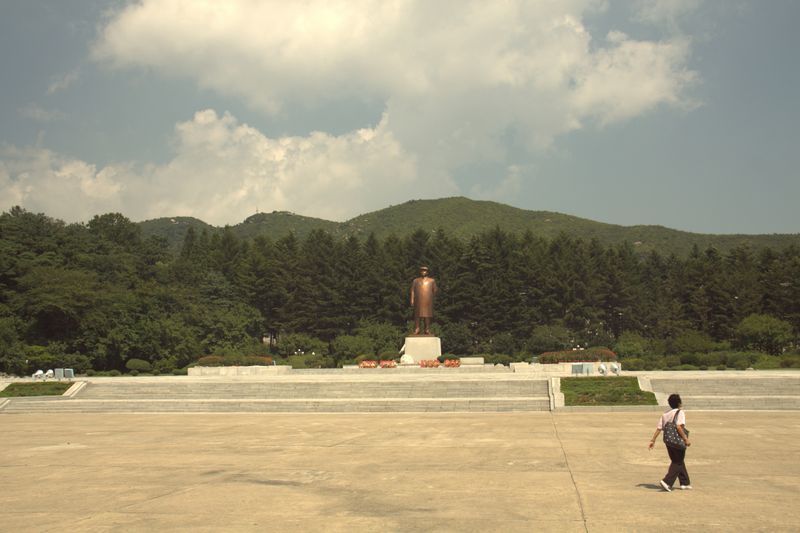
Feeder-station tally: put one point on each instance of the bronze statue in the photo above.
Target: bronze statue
(423, 291)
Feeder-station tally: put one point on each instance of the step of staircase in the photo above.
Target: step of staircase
(316, 390)
(299, 394)
(733, 393)
(273, 405)
(775, 386)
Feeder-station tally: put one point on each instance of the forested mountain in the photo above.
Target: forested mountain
(463, 218)
(101, 294)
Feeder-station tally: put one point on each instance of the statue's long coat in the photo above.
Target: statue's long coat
(423, 291)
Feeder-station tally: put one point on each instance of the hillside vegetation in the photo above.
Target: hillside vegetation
(100, 297)
(464, 218)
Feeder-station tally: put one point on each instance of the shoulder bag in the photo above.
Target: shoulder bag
(671, 436)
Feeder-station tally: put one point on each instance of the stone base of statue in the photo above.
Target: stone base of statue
(422, 347)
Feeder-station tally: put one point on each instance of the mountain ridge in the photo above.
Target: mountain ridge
(463, 217)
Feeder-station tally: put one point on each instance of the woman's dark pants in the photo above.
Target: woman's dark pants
(677, 468)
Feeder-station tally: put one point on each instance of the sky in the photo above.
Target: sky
(681, 113)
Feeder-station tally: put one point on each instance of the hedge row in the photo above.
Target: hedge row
(574, 356)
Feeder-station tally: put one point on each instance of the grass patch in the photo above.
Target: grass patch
(605, 391)
(46, 388)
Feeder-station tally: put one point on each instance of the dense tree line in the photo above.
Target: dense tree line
(97, 295)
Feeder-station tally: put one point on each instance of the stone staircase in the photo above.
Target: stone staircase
(310, 393)
(727, 393)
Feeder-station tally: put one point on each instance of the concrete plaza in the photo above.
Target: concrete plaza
(539, 471)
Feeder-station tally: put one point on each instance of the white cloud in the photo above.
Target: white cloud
(455, 76)
(504, 191)
(460, 81)
(222, 170)
(63, 82)
(654, 67)
(41, 180)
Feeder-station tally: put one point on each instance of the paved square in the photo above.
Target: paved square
(395, 472)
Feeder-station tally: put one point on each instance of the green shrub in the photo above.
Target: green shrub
(133, 372)
(722, 367)
(292, 343)
(210, 360)
(741, 360)
(691, 358)
(349, 347)
(691, 341)
(790, 361)
(549, 339)
(685, 367)
(113, 373)
(711, 359)
(503, 343)
(570, 356)
(164, 366)
(671, 361)
(310, 361)
(765, 333)
(498, 359)
(180, 371)
(385, 337)
(53, 356)
(634, 363)
(234, 360)
(767, 362)
(457, 337)
(138, 365)
(631, 344)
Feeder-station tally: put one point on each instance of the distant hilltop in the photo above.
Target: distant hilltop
(462, 217)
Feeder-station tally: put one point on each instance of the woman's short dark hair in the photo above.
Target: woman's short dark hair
(674, 400)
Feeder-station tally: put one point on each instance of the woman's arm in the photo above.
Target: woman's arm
(655, 436)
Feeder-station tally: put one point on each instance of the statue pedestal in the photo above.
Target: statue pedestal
(423, 347)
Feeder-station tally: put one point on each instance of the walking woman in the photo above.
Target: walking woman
(676, 438)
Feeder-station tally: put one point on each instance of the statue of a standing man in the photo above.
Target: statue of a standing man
(423, 291)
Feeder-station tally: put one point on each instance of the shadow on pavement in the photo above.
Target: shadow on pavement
(651, 486)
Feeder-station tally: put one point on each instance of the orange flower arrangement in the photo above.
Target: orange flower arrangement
(452, 363)
(388, 364)
(368, 364)
(429, 363)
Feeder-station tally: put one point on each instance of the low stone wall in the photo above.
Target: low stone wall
(238, 370)
(561, 369)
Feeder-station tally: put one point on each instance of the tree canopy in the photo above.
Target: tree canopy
(99, 295)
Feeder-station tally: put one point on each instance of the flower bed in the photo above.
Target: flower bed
(578, 356)
(429, 363)
(452, 363)
(388, 363)
(368, 364)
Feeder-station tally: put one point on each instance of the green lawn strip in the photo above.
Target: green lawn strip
(610, 390)
(49, 388)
